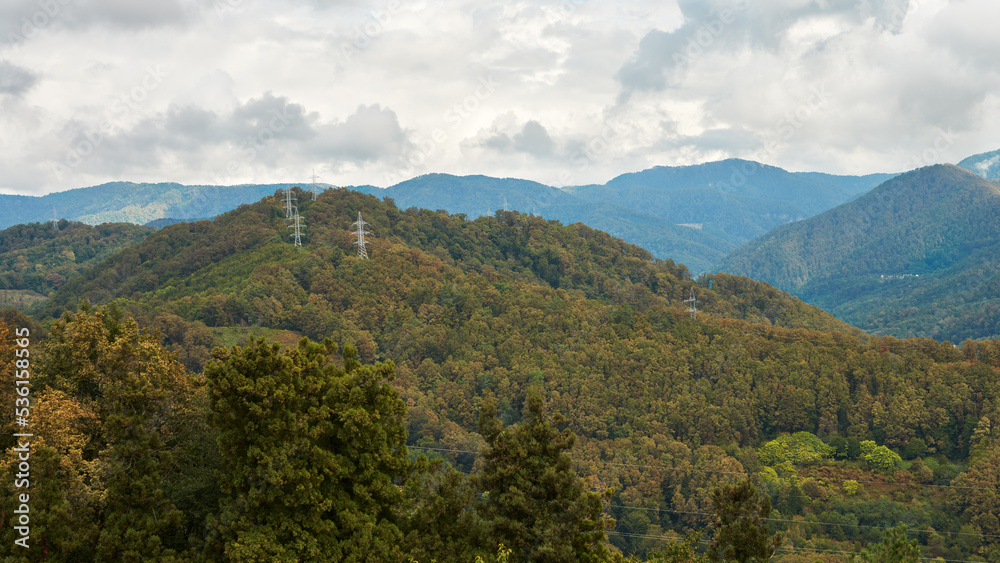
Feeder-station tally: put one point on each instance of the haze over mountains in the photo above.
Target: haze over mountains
(917, 256)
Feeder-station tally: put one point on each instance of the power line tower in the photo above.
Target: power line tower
(693, 307)
(298, 226)
(361, 232)
(314, 177)
(288, 203)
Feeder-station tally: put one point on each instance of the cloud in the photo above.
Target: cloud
(264, 136)
(664, 58)
(25, 19)
(506, 137)
(15, 80)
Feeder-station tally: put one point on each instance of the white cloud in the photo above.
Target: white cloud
(559, 91)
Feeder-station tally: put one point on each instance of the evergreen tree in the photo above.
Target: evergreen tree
(741, 531)
(533, 501)
(895, 548)
(104, 363)
(444, 525)
(312, 455)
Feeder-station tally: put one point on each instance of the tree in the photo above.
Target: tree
(741, 531)
(102, 363)
(443, 524)
(312, 455)
(533, 502)
(879, 457)
(895, 548)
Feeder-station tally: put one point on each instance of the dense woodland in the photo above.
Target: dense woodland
(915, 256)
(507, 380)
(40, 257)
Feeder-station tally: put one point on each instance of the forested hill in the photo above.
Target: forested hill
(916, 256)
(193, 261)
(37, 258)
(986, 164)
(736, 199)
(664, 407)
(137, 203)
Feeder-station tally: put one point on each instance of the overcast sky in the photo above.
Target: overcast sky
(563, 92)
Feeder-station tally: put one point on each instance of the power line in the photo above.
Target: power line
(808, 522)
(743, 474)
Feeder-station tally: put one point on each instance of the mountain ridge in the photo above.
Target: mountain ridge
(896, 249)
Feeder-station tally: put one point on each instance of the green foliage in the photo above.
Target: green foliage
(110, 408)
(41, 257)
(741, 531)
(470, 310)
(312, 452)
(888, 262)
(533, 501)
(801, 448)
(895, 548)
(443, 524)
(685, 551)
(879, 457)
(852, 487)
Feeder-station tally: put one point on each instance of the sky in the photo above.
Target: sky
(563, 92)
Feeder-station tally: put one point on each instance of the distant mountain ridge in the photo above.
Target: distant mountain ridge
(986, 164)
(694, 215)
(918, 255)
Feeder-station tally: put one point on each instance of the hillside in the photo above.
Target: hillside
(127, 202)
(914, 257)
(737, 199)
(38, 258)
(687, 214)
(661, 403)
(477, 196)
(986, 165)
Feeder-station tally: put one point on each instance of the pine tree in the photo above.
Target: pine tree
(533, 501)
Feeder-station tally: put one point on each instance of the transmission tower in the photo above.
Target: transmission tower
(314, 177)
(693, 307)
(288, 203)
(361, 232)
(298, 226)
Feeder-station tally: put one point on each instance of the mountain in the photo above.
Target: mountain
(736, 199)
(665, 407)
(37, 258)
(478, 196)
(127, 202)
(695, 215)
(986, 165)
(915, 256)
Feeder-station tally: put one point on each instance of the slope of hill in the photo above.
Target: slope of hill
(477, 196)
(986, 165)
(40, 257)
(916, 256)
(694, 214)
(665, 406)
(737, 199)
(126, 202)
